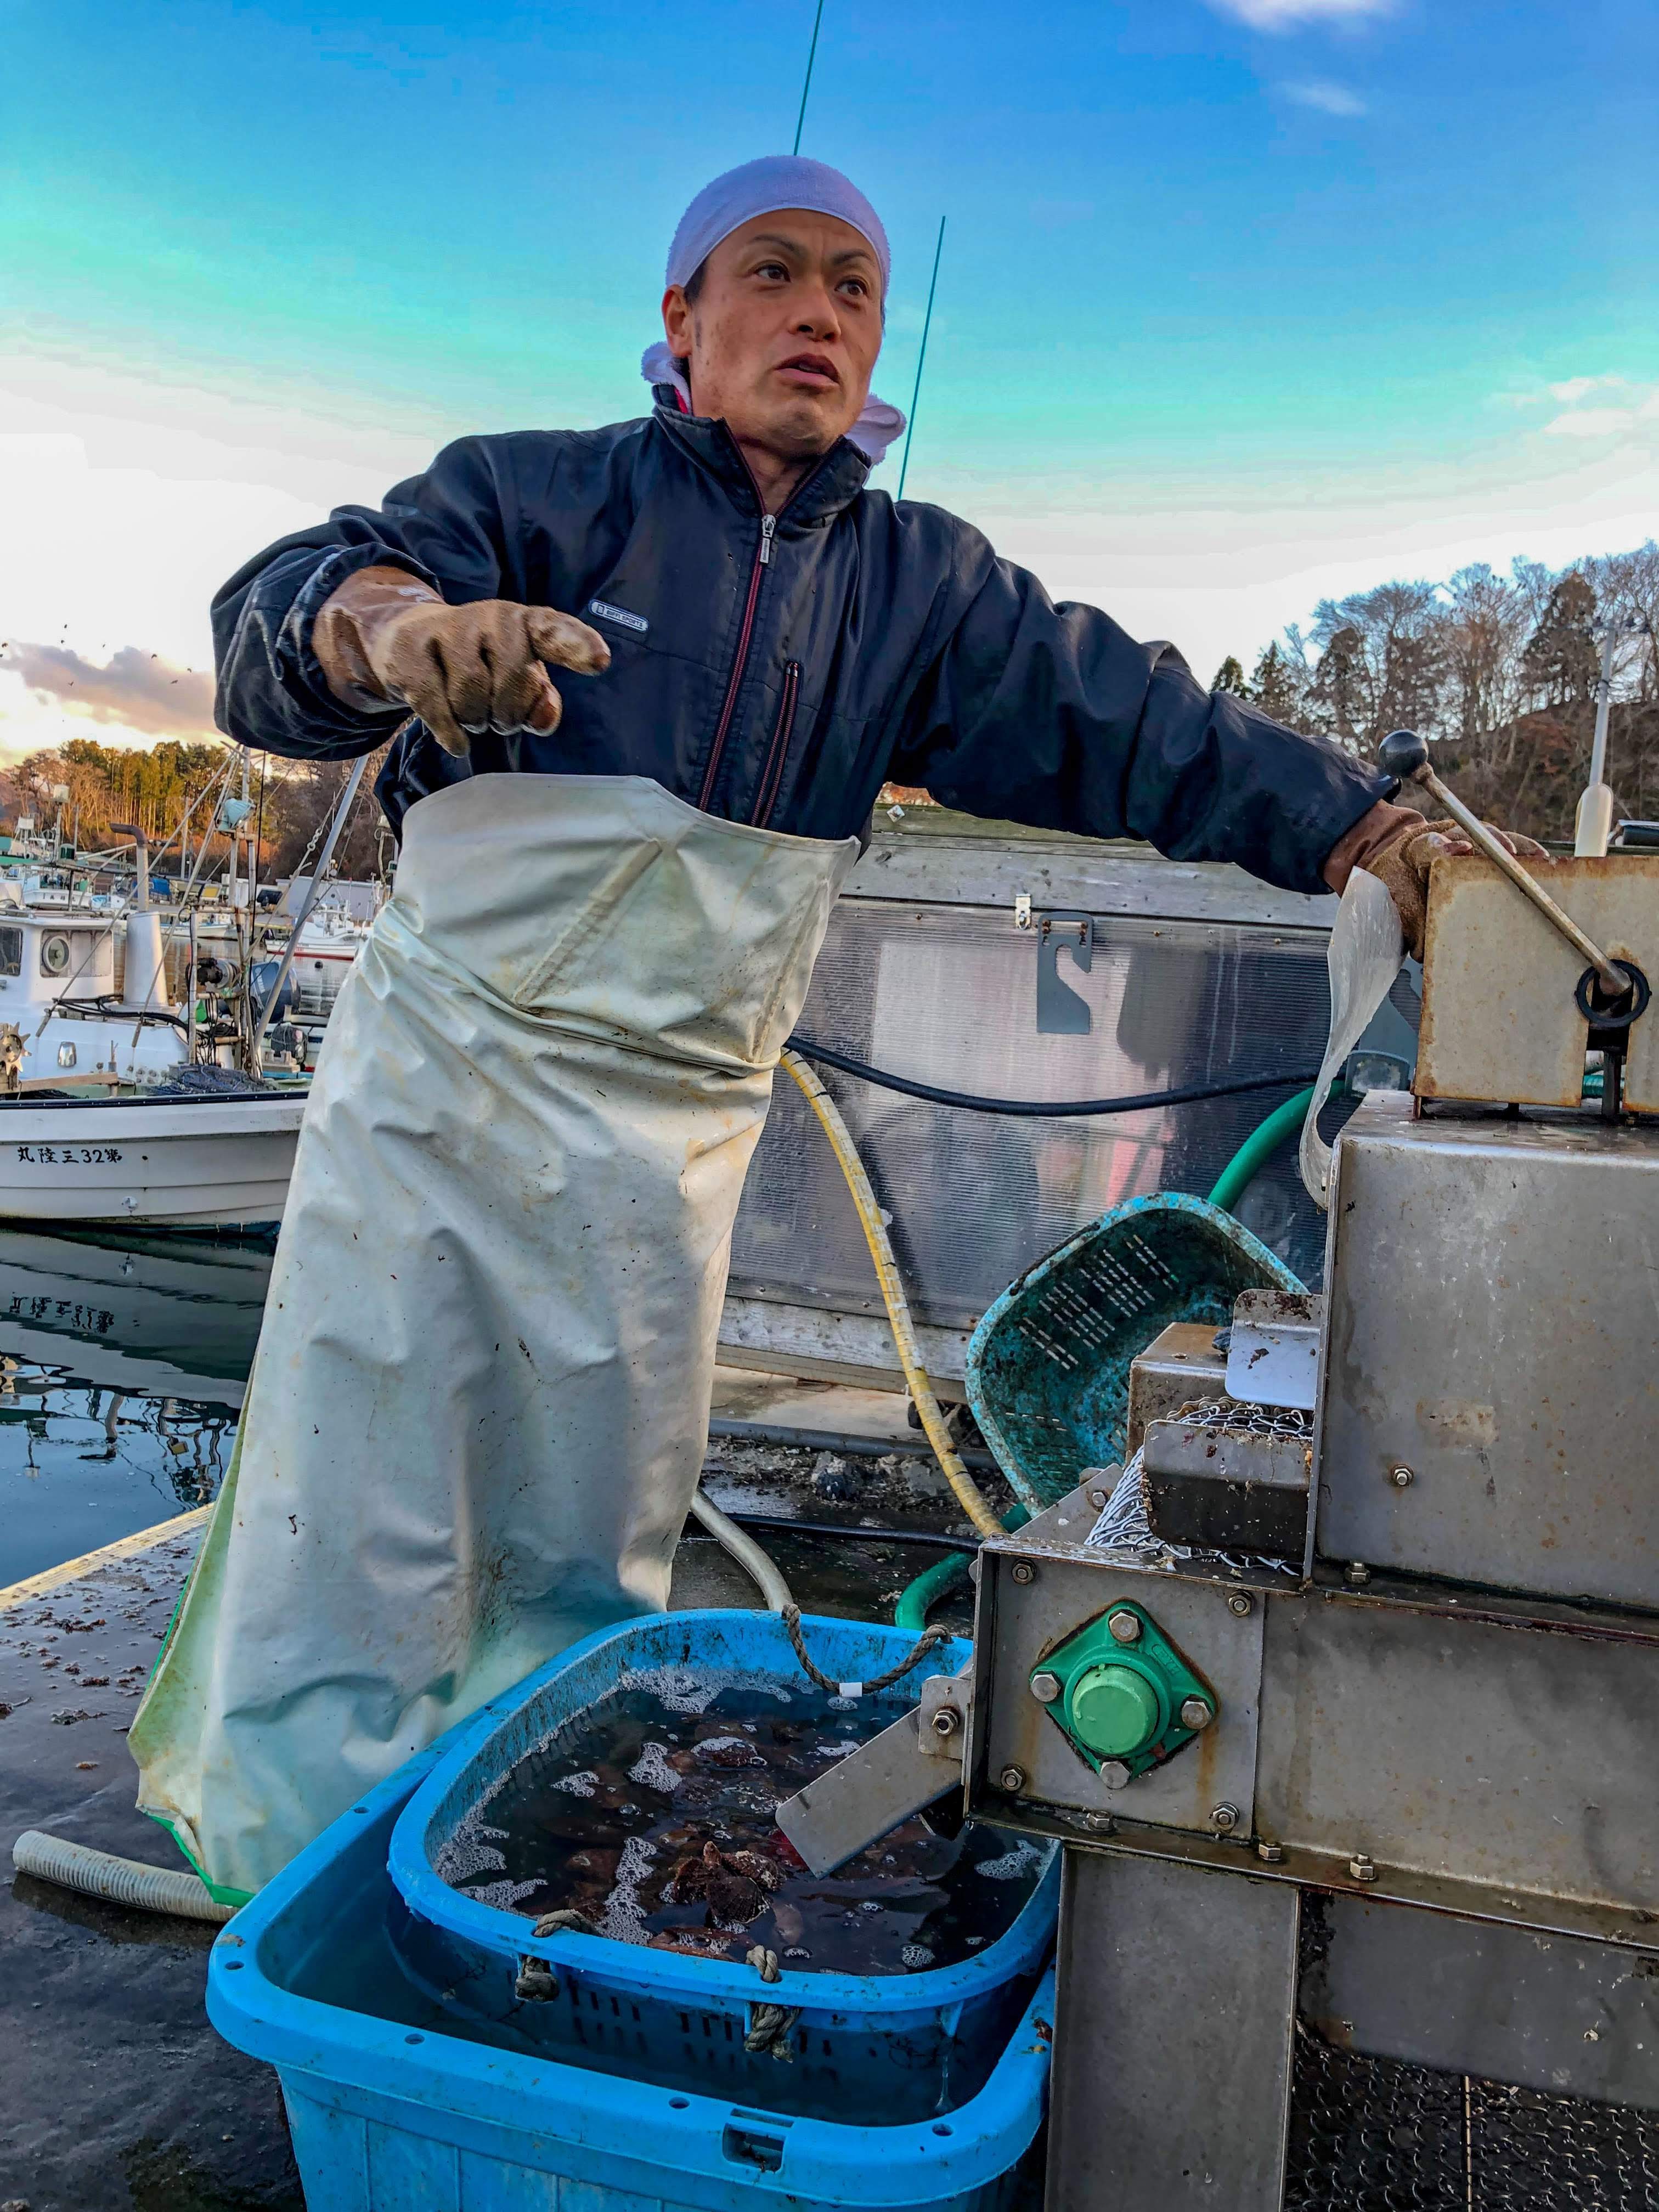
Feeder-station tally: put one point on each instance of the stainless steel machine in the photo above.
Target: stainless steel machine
(1353, 1738)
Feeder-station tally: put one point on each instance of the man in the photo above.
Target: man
(480, 1403)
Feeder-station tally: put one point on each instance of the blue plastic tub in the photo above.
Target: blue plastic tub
(899, 2047)
(393, 2111)
(1048, 1368)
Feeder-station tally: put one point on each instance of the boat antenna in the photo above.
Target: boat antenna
(927, 325)
(812, 56)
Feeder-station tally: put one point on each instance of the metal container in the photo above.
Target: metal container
(1491, 1392)
(929, 970)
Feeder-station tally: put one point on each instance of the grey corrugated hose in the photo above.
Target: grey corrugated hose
(122, 1882)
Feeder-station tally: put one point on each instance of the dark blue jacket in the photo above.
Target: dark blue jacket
(781, 673)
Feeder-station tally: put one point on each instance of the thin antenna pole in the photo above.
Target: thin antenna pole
(812, 56)
(927, 325)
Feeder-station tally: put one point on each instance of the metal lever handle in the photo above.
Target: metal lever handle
(1404, 754)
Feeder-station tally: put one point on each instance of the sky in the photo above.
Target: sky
(1242, 302)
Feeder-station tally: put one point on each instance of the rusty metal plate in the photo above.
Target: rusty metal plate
(1499, 1021)
(1179, 1368)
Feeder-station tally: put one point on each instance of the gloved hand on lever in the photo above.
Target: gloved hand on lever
(1398, 846)
(385, 638)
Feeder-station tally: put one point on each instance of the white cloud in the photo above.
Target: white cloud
(133, 689)
(1286, 14)
(1577, 388)
(1220, 578)
(1633, 416)
(1330, 98)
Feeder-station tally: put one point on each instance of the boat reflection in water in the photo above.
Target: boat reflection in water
(122, 1367)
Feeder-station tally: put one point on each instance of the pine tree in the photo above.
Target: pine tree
(1340, 694)
(1277, 685)
(1561, 662)
(1230, 677)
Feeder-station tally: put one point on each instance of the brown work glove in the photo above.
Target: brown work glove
(1397, 846)
(386, 638)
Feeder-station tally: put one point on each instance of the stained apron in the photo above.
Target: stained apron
(479, 1406)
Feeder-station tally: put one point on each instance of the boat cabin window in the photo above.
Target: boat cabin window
(57, 954)
(11, 951)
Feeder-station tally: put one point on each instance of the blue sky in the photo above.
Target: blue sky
(1241, 300)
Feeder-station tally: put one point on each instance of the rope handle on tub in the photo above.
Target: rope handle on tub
(790, 1616)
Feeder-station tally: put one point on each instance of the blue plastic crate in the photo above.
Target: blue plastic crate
(1047, 1368)
(390, 2111)
(900, 2046)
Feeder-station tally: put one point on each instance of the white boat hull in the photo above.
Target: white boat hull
(174, 1163)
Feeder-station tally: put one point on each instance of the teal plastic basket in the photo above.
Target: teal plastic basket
(393, 2107)
(1047, 1372)
(894, 2047)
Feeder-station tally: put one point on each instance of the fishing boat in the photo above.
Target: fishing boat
(65, 1023)
(209, 1149)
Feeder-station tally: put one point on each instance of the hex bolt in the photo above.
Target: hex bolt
(1271, 1854)
(1023, 1572)
(1013, 1779)
(1401, 1476)
(1361, 1867)
(1225, 1818)
(1116, 1775)
(946, 1721)
(1097, 1499)
(1357, 1573)
(1196, 1713)
(1239, 1602)
(1125, 1628)
(1045, 1688)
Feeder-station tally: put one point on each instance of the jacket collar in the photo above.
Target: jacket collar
(834, 484)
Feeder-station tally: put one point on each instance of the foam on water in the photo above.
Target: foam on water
(675, 1691)
(1014, 1865)
(652, 1769)
(624, 1911)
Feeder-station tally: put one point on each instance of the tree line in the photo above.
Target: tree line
(1499, 671)
(155, 787)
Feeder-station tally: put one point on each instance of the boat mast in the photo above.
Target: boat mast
(309, 901)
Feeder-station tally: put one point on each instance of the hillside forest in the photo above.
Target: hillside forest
(1500, 672)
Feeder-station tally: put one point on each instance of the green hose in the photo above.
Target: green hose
(1257, 1148)
(926, 1591)
(916, 1598)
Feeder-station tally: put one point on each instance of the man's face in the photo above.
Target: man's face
(784, 333)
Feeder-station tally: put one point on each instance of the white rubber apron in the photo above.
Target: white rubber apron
(480, 1402)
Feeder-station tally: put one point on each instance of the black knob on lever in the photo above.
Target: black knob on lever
(1404, 754)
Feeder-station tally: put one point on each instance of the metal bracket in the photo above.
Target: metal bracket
(1273, 1351)
(1060, 1011)
(884, 1781)
(942, 1721)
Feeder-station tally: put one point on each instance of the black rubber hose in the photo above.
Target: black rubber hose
(1054, 1108)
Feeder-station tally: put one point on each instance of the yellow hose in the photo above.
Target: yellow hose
(970, 1496)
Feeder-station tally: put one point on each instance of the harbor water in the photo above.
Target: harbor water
(122, 1368)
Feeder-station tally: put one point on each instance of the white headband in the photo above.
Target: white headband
(777, 180)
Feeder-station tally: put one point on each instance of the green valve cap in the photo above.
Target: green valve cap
(1114, 1711)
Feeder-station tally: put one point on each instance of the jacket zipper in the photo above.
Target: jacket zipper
(772, 781)
(762, 560)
